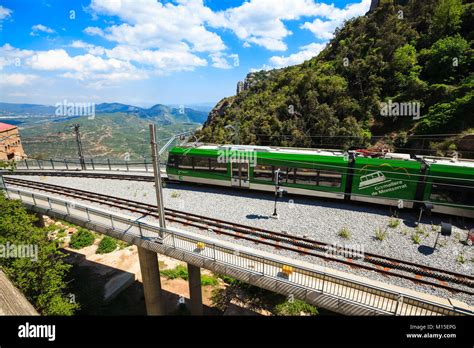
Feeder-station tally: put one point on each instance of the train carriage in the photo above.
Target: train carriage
(392, 180)
(450, 186)
(385, 181)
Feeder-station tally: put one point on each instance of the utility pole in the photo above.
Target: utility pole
(79, 146)
(156, 169)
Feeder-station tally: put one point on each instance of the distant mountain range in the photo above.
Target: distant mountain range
(159, 113)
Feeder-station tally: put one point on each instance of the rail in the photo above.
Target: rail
(90, 164)
(315, 280)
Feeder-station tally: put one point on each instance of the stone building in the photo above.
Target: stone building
(10, 143)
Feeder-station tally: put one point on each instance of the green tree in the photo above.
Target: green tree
(448, 60)
(447, 18)
(41, 278)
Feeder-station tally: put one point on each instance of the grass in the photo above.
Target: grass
(380, 234)
(122, 244)
(461, 259)
(393, 223)
(404, 231)
(344, 233)
(175, 194)
(295, 308)
(181, 272)
(416, 238)
(61, 234)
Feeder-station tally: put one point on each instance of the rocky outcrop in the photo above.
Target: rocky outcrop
(219, 110)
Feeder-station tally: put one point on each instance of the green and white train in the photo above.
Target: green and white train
(394, 179)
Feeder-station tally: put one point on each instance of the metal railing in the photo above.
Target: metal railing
(346, 290)
(90, 164)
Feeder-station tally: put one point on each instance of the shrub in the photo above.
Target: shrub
(393, 223)
(107, 245)
(295, 308)
(345, 233)
(380, 234)
(82, 238)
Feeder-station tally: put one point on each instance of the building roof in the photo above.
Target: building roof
(5, 126)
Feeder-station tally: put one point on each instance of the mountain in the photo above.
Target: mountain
(26, 109)
(391, 78)
(157, 113)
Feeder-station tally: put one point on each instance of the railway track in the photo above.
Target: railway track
(279, 240)
(81, 174)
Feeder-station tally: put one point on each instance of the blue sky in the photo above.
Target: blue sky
(144, 52)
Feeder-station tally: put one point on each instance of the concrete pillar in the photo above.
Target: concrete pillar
(195, 293)
(151, 282)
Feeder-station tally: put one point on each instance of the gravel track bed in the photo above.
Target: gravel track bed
(316, 218)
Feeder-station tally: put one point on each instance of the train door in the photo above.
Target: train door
(240, 174)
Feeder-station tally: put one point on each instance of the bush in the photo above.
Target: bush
(295, 308)
(107, 245)
(81, 239)
(345, 233)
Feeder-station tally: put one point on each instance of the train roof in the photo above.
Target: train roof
(329, 152)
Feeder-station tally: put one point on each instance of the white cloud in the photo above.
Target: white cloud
(305, 53)
(10, 55)
(35, 29)
(151, 24)
(4, 12)
(262, 21)
(177, 58)
(17, 79)
(222, 61)
(325, 29)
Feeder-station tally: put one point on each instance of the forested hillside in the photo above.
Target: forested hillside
(418, 51)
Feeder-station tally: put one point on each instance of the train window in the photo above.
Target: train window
(173, 161)
(201, 163)
(263, 172)
(291, 176)
(306, 176)
(329, 179)
(287, 175)
(453, 192)
(216, 166)
(185, 162)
